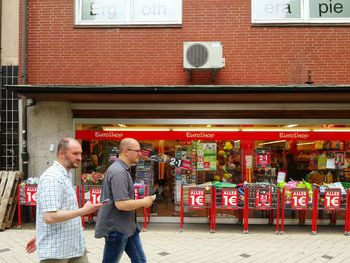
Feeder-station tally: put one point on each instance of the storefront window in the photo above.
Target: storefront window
(172, 159)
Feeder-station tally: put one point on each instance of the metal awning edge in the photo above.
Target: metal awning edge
(180, 89)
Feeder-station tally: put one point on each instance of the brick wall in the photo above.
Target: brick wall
(58, 53)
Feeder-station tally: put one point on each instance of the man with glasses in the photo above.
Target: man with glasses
(116, 221)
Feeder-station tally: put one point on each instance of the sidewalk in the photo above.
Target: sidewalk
(164, 243)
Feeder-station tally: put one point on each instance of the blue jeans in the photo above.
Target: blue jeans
(116, 243)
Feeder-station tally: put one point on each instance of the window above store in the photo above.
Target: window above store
(300, 11)
(128, 12)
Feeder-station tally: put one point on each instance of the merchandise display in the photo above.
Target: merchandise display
(168, 165)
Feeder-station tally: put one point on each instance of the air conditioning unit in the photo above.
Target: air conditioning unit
(203, 55)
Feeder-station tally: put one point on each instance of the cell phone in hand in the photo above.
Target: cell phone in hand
(105, 201)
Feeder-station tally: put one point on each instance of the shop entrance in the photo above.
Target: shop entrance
(174, 155)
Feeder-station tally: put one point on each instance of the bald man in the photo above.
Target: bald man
(116, 221)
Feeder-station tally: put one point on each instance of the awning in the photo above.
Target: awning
(298, 94)
(186, 93)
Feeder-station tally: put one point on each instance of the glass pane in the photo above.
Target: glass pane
(272, 9)
(151, 10)
(104, 10)
(329, 9)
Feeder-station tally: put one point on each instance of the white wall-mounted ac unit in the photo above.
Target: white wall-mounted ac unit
(203, 55)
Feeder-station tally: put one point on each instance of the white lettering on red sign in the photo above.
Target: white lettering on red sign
(30, 193)
(229, 198)
(200, 135)
(332, 199)
(263, 198)
(293, 135)
(196, 197)
(300, 199)
(108, 135)
(95, 195)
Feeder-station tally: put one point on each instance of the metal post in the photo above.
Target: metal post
(282, 213)
(278, 210)
(246, 210)
(181, 207)
(24, 138)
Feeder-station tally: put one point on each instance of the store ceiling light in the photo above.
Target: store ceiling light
(332, 130)
(206, 129)
(291, 125)
(135, 129)
(271, 142)
(274, 129)
(305, 143)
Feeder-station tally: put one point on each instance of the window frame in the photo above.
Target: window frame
(78, 19)
(304, 18)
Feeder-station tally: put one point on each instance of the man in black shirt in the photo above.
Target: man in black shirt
(116, 221)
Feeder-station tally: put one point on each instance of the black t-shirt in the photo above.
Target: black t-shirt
(117, 186)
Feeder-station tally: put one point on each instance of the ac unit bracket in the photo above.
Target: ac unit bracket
(213, 73)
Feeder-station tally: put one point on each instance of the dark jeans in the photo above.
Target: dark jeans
(116, 243)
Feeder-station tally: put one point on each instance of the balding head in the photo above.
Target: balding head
(64, 143)
(127, 143)
(69, 153)
(129, 151)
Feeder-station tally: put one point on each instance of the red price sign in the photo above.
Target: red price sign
(30, 193)
(332, 199)
(196, 197)
(95, 195)
(300, 198)
(263, 157)
(229, 198)
(263, 198)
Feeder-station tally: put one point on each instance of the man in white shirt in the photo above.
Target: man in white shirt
(59, 234)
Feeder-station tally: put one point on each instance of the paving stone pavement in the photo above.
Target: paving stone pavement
(165, 243)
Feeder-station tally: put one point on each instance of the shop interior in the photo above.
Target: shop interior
(224, 160)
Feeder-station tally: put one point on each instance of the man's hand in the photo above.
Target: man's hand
(65, 215)
(31, 246)
(148, 201)
(90, 208)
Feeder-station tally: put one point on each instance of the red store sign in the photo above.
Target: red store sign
(196, 198)
(263, 198)
(95, 195)
(229, 198)
(210, 136)
(332, 199)
(30, 192)
(300, 198)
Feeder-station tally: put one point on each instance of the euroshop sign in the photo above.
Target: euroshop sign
(209, 136)
(128, 12)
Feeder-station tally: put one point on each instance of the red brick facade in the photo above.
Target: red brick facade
(59, 53)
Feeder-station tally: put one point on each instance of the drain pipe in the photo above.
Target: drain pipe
(0, 68)
(24, 154)
(24, 42)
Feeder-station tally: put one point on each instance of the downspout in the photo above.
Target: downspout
(24, 42)
(24, 154)
(0, 67)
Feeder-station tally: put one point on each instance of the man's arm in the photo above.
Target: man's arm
(65, 215)
(130, 205)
